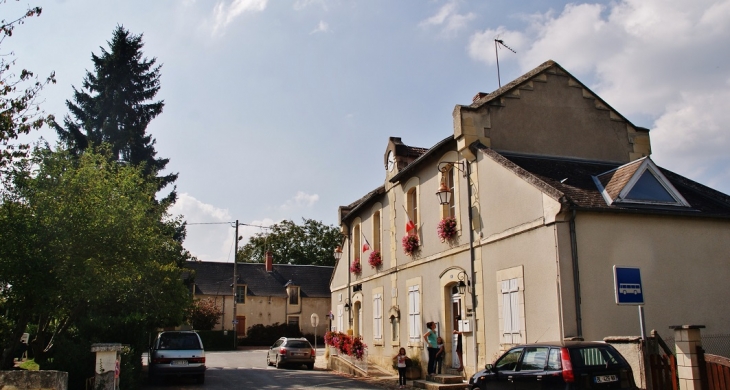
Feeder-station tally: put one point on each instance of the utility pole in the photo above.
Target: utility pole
(235, 289)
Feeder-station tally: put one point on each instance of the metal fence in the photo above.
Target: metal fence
(715, 344)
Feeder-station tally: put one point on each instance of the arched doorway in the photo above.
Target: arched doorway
(357, 319)
(456, 315)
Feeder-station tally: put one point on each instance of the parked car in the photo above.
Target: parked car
(568, 365)
(289, 350)
(177, 353)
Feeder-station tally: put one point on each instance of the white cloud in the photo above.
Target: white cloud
(224, 13)
(321, 27)
(208, 237)
(448, 18)
(657, 59)
(300, 200)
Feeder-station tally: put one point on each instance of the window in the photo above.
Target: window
(534, 359)
(414, 313)
(340, 327)
(241, 294)
(376, 231)
(356, 241)
(508, 362)
(412, 205)
(449, 210)
(293, 295)
(394, 328)
(510, 311)
(293, 321)
(378, 317)
(554, 360)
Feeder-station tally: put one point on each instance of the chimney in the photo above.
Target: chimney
(269, 261)
(479, 96)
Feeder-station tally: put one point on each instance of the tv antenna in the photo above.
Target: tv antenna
(497, 43)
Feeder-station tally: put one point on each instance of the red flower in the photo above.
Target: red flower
(375, 260)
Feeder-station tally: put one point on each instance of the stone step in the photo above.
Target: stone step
(422, 384)
(445, 378)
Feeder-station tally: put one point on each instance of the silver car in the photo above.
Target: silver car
(289, 350)
(177, 353)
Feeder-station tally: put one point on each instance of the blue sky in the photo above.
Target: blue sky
(282, 109)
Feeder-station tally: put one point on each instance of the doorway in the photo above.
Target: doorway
(455, 316)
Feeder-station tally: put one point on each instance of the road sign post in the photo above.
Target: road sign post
(628, 290)
(315, 322)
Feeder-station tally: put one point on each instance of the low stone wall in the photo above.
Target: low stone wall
(630, 348)
(336, 364)
(33, 380)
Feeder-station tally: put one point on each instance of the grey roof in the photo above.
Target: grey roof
(213, 278)
(572, 180)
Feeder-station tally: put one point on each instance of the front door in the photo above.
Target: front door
(455, 316)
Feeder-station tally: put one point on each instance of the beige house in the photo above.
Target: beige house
(559, 188)
(265, 294)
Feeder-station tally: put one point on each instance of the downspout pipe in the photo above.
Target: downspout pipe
(576, 274)
(472, 258)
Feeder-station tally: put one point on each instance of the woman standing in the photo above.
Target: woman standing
(430, 338)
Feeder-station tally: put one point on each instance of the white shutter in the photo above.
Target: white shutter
(414, 313)
(339, 318)
(378, 316)
(515, 303)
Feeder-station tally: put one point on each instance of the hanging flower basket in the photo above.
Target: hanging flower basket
(447, 228)
(410, 244)
(356, 267)
(375, 260)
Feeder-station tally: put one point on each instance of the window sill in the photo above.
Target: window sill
(415, 344)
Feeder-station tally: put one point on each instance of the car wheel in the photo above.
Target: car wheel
(278, 363)
(201, 379)
(268, 360)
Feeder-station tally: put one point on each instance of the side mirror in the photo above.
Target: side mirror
(489, 367)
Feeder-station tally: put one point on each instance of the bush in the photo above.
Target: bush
(204, 314)
(216, 340)
(261, 335)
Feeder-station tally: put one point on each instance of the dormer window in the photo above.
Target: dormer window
(292, 292)
(639, 182)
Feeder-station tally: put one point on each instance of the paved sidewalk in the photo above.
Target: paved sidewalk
(380, 379)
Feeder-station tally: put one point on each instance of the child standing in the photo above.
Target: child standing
(439, 354)
(400, 361)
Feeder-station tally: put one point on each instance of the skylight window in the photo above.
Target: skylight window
(639, 182)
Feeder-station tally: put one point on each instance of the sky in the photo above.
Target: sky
(282, 109)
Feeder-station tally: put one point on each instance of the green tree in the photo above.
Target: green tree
(85, 253)
(204, 314)
(19, 110)
(312, 243)
(116, 104)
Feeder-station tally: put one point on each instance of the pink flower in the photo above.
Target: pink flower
(446, 228)
(375, 260)
(355, 267)
(410, 244)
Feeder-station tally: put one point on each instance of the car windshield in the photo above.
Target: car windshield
(594, 356)
(179, 341)
(298, 344)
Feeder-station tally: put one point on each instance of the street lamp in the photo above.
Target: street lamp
(444, 195)
(338, 253)
(347, 304)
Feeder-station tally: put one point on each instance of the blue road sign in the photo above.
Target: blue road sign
(627, 285)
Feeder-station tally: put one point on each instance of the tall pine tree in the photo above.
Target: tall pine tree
(115, 105)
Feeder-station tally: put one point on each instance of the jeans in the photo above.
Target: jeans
(432, 360)
(402, 376)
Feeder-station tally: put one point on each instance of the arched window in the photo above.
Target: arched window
(376, 231)
(412, 205)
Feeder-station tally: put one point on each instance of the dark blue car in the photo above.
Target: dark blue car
(567, 365)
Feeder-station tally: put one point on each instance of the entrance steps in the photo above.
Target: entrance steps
(441, 382)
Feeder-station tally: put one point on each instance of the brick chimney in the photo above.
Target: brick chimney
(269, 261)
(479, 96)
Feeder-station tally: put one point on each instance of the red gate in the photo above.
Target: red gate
(714, 371)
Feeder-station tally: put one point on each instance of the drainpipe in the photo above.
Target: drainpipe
(576, 275)
(471, 264)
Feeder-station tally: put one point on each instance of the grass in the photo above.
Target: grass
(29, 365)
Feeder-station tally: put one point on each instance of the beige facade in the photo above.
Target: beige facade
(269, 294)
(556, 203)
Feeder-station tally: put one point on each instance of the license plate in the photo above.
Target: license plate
(179, 363)
(605, 378)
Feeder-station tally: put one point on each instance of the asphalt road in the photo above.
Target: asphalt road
(247, 369)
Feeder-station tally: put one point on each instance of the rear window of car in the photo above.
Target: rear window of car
(179, 341)
(298, 344)
(594, 356)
